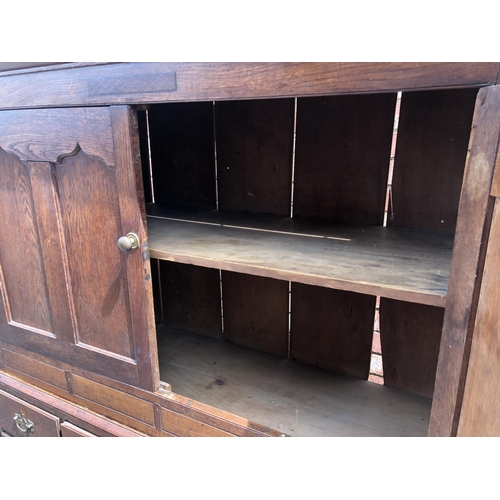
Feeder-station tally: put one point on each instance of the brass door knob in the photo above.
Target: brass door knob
(129, 242)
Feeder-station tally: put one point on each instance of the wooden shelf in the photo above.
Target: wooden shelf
(394, 263)
(291, 397)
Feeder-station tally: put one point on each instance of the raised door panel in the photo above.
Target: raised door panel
(68, 191)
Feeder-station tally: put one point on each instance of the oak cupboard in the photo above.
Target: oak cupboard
(200, 249)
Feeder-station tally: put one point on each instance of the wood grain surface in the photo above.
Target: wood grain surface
(332, 329)
(401, 264)
(433, 135)
(480, 415)
(182, 154)
(48, 134)
(342, 157)
(221, 81)
(191, 298)
(410, 335)
(256, 312)
(474, 217)
(254, 155)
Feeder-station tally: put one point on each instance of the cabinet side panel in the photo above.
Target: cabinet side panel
(410, 335)
(191, 298)
(92, 227)
(20, 248)
(332, 329)
(342, 157)
(433, 134)
(183, 154)
(256, 312)
(480, 415)
(254, 155)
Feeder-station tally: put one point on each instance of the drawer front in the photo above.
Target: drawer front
(31, 421)
(71, 430)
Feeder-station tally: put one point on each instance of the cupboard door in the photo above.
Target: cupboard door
(70, 187)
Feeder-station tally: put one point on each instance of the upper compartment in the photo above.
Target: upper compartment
(296, 189)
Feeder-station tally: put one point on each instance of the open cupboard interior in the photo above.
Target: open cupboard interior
(272, 232)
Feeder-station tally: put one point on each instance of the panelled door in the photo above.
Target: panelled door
(70, 188)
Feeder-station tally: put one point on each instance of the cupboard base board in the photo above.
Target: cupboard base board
(293, 398)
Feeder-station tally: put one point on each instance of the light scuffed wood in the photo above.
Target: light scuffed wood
(290, 397)
(401, 264)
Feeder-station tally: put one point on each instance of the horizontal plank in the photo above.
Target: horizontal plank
(45, 135)
(293, 398)
(394, 263)
(129, 83)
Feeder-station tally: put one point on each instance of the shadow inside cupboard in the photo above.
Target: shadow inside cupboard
(269, 250)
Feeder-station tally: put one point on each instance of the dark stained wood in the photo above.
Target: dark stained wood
(182, 154)
(410, 335)
(433, 135)
(45, 135)
(34, 368)
(471, 238)
(124, 403)
(92, 215)
(256, 312)
(191, 298)
(157, 294)
(142, 123)
(394, 263)
(254, 155)
(25, 286)
(216, 81)
(332, 329)
(137, 264)
(55, 258)
(45, 424)
(60, 407)
(214, 417)
(70, 430)
(342, 157)
(480, 413)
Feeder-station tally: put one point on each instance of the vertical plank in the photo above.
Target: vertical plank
(191, 298)
(98, 284)
(144, 149)
(433, 135)
(342, 157)
(25, 287)
(256, 312)
(332, 329)
(474, 217)
(157, 297)
(51, 231)
(410, 335)
(254, 155)
(183, 154)
(132, 211)
(480, 415)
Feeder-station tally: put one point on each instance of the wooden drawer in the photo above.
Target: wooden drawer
(70, 430)
(44, 424)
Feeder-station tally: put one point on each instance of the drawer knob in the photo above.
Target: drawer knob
(129, 242)
(24, 424)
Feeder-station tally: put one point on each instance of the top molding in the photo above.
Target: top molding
(95, 84)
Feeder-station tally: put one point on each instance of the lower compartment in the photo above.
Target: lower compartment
(291, 397)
